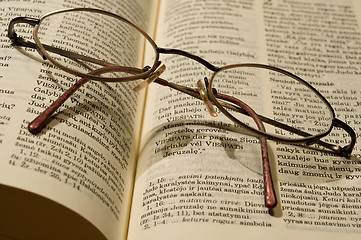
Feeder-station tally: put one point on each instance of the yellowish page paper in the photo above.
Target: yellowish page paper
(198, 179)
(85, 157)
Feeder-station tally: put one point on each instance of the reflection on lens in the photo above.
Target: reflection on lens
(83, 41)
(275, 97)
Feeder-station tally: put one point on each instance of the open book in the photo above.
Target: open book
(113, 163)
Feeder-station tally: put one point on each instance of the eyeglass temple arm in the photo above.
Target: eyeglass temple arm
(269, 192)
(19, 41)
(41, 120)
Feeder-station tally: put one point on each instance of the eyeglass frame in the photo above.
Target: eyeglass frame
(211, 93)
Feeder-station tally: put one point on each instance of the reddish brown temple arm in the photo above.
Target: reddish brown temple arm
(39, 122)
(269, 192)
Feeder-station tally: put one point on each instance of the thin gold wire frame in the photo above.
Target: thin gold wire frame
(214, 98)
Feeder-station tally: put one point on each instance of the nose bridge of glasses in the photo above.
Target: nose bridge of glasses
(202, 61)
(202, 90)
(149, 79)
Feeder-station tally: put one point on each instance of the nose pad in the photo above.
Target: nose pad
(204, 95)
(150, 79)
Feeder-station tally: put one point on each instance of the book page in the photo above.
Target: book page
(198, 178)
(84, 159)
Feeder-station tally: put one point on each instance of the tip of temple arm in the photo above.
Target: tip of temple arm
(36, 126)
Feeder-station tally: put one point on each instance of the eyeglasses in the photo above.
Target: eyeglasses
(98, 45)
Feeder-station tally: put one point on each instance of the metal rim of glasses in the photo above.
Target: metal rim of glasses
(43, 49)
(304, 136)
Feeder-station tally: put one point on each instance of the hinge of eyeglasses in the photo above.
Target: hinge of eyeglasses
(41, 54)
(204, 95)
(150, 79)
